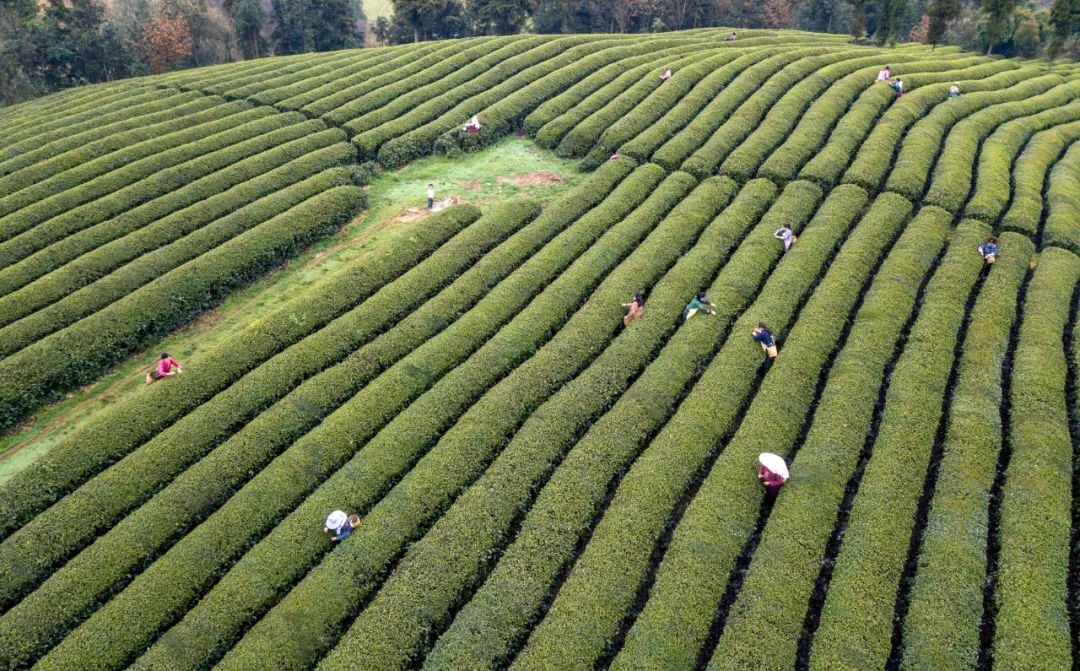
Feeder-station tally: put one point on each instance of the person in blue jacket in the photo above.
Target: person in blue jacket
(989, 250)
(764, 337)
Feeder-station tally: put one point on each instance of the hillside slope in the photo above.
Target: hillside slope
(542, 487)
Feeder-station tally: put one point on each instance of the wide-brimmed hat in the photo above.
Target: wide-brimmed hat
(775, 463)
(336, 520)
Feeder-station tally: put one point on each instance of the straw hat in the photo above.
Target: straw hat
(336, 520)
(774, 463)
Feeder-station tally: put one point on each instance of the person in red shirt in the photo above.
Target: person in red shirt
(773, 473)
(165, 367)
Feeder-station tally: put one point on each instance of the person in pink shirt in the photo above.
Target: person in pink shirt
(773, 473)
(165, 367)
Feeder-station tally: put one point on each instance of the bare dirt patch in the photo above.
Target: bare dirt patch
(542, 178)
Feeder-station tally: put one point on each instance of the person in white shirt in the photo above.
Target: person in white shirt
(954, 90)
(430, 196)
(785, 234)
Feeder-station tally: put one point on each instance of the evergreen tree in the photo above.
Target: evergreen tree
(303, 26)
(1065, 22)
(858, 18)
(248, 19)
(498, 17)
(890, 21)
(998, 14)
(941, 12)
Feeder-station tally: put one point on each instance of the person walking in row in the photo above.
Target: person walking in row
(634, 308)
(898, 86)
(773, 473)
(430, 196)
(165, 367)
(340, 525)
(954, 90)
(699, 304)
(989, 250)
(786, 235)
(764, 337)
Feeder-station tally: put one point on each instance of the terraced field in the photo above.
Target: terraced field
(540, 487)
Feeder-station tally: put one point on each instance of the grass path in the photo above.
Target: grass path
(513, 168)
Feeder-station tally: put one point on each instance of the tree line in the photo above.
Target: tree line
(47, 45)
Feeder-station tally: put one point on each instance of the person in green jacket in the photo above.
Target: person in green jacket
(699, 304)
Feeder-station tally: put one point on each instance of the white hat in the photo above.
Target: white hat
(336, 520)
(774, 463)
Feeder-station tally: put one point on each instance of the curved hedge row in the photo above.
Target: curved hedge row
(494, 620)
(235, 601)
(599, 88)
(744, 161)
(259, 154)
(187, 501)
(79, 353)
(857, 616)
(825, 113)
(952, 176)
(914, 133)
(574, 132)
(455, 553)
(341, 90)
(289, 191)
(1031, 597)
(115, 193)
(868, 168)
(675, 622)
(752, 74)
(997, 188)
(688, 76)
(196, 433)
(139, 124)
(421, 141)
(374, 474)
(603, 580)
(1063, 200)
(112, 106)
(396, 109)
(942, 627)
(860, 125)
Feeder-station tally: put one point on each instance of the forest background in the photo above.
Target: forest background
(48, 45)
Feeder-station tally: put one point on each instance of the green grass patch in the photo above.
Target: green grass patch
(511, 168)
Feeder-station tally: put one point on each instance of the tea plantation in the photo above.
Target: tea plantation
(540, 487)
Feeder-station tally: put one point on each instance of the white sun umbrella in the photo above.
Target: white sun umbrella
(336, 520)
(775, 463)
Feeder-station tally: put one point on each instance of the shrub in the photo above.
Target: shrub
(752, 73)
(860, 126)
(952, 176)
(251, 157)
(689, 586)
(993, 188)
(1031, 596)
(1063, 201)
(275, 491)
(289, 190)
(857, 615)
(188, 500)
(80, 353)
(942, 628)
(114, 193)
(123, 428)
(918, 149)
